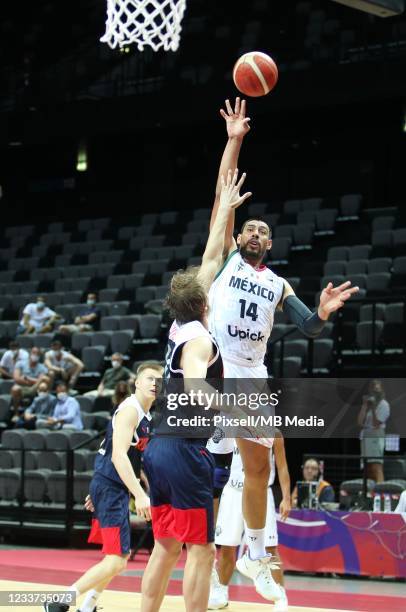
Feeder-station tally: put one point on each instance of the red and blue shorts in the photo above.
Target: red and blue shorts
(181, 475)
(111, 521)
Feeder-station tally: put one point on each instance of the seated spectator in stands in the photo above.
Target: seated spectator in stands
(18, 404)
(87, 320)
(372, 417)
(311, 472)
(121, 391)
(10, 358)
(111, 377)
(64, 366)
(401, 507)
(30, 373)
(38, 413)
(66, 412)
(37, 318)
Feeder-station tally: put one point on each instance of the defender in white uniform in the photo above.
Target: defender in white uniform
(230, 524)
(243, 307)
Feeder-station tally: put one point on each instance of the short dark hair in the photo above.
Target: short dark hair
(14, 344)
(56, 343)
(256, 218)
(62, 384)
(187, 298)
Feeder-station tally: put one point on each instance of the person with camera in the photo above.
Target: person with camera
(372, 418)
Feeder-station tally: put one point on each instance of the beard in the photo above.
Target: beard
(251, 254)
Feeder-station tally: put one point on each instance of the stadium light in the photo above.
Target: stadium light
(381, 8)
(81, 162)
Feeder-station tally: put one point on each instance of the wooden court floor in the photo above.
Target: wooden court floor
(121, 601)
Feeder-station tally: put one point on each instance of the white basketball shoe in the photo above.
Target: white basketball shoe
(260, 572)
(218, 598)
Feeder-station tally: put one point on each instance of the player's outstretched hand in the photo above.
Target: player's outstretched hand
(89, 504)
(332, 298)
(230, 190)
(237, 123)
(143, 507)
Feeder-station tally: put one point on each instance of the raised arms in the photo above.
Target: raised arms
(237, 127)
(229, 200)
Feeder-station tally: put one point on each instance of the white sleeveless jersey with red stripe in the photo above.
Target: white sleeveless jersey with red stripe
(242, 306)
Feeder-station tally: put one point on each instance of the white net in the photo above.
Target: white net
(156, 23)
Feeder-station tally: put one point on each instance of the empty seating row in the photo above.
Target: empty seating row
(43, 486)
(41, 439)
(83, 460)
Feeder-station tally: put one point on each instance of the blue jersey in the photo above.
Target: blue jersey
(179, 335)
(103, 464)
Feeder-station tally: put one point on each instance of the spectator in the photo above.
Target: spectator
(10, 358)
(111, 377)
(87, 320)
(121, 391)
(311, 473)
(66, 412)
(38, 413)
(372, 418)
(30, 373)
(401, 507)
(64, 366)
(18, 404)
(37, 318)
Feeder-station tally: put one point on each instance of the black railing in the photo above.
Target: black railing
(27, 510)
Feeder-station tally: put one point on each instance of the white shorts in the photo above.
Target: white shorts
(230, 521)
(235, 371)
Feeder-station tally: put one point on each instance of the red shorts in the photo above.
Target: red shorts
(180, 474)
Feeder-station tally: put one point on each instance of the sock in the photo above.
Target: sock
(90, 601)
(284, 596)
(73, 589)
(256, 543)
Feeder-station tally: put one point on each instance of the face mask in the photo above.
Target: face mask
(62, 396)
(35, 358)
(42, 394)
(115, 363)
(91, 302)
(40, 305)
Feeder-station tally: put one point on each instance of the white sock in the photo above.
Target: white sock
(256, 543)
(73, 589)
(90, 601)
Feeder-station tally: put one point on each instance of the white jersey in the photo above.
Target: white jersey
(242, 306)
(236, 479)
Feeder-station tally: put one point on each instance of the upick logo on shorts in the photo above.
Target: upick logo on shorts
(244, 334)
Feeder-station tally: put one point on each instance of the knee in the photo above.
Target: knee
(203, 554)
(117, 564)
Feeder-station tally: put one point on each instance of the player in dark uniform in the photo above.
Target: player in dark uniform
(113, 481)
(180, 469)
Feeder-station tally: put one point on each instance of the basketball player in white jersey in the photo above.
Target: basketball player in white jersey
(243, 300)
(230, 524)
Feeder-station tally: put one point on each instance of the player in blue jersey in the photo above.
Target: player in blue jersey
(113, 482)
(179, 468)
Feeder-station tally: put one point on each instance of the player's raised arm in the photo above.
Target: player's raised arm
(237, 127)
(230, 199)
(311, 323)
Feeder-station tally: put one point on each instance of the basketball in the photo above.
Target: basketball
(255, 74)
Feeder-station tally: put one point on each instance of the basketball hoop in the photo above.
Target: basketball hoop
(156, 23)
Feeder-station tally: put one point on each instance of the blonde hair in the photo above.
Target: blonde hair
(187, 298)
(153, 365)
